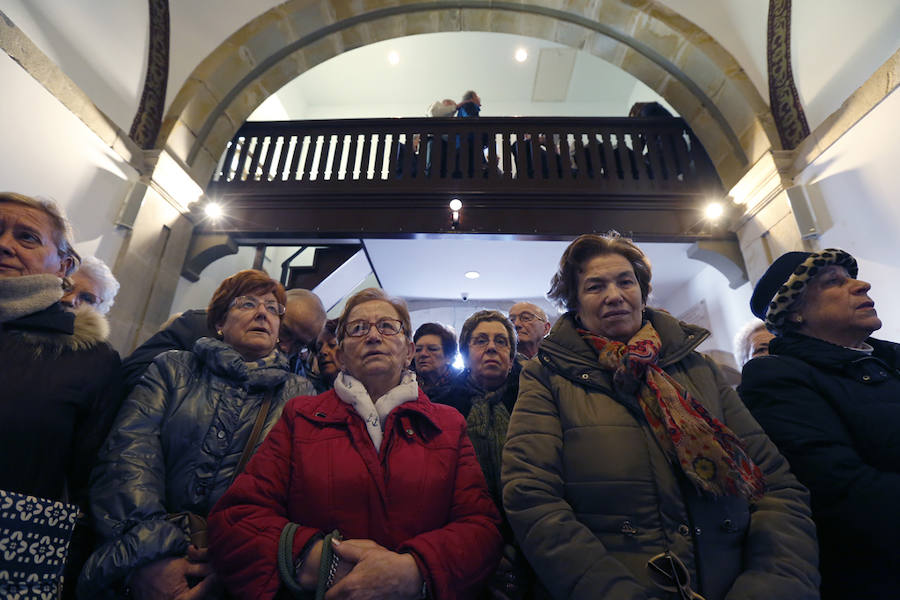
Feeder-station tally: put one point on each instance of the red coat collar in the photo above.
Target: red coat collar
(327, 407)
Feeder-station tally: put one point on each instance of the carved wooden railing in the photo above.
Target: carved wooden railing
(554, 176)
(625, 156)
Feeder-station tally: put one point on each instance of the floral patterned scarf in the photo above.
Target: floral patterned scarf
(708, 452)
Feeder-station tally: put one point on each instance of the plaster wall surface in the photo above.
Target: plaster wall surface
(835, 48)
(728, 309)
(101, 46)
(197, 294)
(852, 188)
(50, 152)
(738, 25)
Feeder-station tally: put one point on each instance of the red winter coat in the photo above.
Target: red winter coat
(425, 494)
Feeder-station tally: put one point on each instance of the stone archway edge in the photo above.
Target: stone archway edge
(392, 11)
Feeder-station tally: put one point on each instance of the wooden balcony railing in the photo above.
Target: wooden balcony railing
(306, 168)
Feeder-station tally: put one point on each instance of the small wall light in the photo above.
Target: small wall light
(213, 210)
(714, 210)
(521, 55)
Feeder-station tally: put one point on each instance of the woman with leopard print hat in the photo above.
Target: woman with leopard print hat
(829, 396)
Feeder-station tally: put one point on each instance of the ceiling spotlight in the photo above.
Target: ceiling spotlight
(455, 204)
(213, 210)
(393, 57)
(472, 274)
(521, 55)
(714, 210)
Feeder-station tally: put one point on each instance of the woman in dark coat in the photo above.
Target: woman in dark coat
(178, 440)
(829, 396)
(631, 462)
(60, 383)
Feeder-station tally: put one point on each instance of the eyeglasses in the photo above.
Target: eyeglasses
(669, 574)
(247, 303)
(482, 341)
(525, 317)
(384, 326)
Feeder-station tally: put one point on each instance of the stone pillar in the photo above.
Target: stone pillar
(768, 227)
(152, 255)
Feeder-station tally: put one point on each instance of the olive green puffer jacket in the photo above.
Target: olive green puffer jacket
(173, 448)
(591, 496)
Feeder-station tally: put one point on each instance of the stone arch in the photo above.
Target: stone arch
(665, 51)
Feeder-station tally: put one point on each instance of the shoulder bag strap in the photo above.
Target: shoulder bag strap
(254, 435)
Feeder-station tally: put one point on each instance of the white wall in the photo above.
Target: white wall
(197, 294)
(728, 309)
(100, 45)
(836, 46)
(853, 188)
(47, 151)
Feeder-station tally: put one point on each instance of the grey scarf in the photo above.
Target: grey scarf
(20, 296)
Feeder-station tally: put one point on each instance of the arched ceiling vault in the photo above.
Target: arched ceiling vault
(668, 53)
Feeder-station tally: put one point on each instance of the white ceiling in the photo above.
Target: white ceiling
(362, 82)
(434, 267)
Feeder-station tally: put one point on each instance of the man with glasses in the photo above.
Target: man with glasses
(531, 326)
(303, 320)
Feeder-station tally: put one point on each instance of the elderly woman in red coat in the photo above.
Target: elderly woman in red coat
(375, 460)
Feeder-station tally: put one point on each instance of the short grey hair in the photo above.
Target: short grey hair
(100, 273)
(62, 230)
(742, 347)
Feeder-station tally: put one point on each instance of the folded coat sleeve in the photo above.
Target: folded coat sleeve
(780, 548)
(785, 397)
(571, 562)
(245, 524)
(459, 557)
(128, 489)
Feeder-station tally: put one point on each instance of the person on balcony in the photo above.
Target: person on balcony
(531, 326)
(631, 468)
(828, 394)
(391, 475)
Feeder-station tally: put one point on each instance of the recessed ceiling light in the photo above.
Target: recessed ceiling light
(455, 204)
(714, 210)
(393, 57)
(472, 274)
(521, 55)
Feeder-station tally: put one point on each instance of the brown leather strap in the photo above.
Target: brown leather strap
(254, 435)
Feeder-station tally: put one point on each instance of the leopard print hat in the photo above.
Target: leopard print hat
(786, 278)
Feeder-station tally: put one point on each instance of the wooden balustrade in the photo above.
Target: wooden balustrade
(627, 156)
(531, 175)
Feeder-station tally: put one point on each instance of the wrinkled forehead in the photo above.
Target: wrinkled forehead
(490, 328)
(27, 215)
(522, 307)
(372, 310)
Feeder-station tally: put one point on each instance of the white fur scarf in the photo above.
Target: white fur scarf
(20, 296)
(353, 392)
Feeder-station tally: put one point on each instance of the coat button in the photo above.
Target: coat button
(684, 530)
(220, 434)
(697, 531)
(585, 376)
(627, 528)
(320, 414)
(866, 378)
(409, 432)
